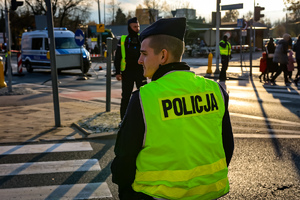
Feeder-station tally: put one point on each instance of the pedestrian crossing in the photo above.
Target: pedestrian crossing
(249, 126)
(266, 93)
(41, 175)
(263, 110)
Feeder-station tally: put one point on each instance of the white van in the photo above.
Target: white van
(34, 48)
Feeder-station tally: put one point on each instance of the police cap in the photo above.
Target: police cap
(132, 20)
(173, 26)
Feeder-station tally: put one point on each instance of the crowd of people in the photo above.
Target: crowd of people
(280, 58)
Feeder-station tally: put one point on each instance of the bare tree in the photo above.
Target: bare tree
(154, 7)
(294, 6)
(114, 5)
(63, 10)
(230, 16)
(76, 10)
(248, 15)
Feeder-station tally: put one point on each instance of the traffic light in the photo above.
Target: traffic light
(15, 4)
(257, 14)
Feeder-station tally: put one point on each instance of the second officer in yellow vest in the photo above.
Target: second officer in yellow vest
(126, 63)
(225, 51)
(175, 141)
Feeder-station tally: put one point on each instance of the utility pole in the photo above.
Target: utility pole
(104, 10)
(53, 64)
(8, 48)
(217, 50)
(99, 16)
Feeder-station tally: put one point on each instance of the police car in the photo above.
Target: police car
(35, 45)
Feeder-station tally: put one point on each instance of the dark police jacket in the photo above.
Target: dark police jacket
(131, 134)
(132, 49)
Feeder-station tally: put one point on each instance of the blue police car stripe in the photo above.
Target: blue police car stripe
(62, 51)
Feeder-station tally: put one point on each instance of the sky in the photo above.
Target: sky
(274, 9)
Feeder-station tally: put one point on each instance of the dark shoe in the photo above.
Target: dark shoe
(272, 82)
(296, 81)
(259, 78)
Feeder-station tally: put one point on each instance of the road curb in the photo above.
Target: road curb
(90, 134)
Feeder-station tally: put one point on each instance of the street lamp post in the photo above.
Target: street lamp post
(99, 16)
(8, 48)
(217, 71)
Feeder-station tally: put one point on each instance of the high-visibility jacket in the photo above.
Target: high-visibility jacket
(227, 50)
(123, 52)
(182, 155)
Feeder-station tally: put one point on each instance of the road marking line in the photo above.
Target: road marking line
(235, 128)
(262, 89)
(62, 192)
(45, 148)
(268, 136)
(241, 123)
(263, 118)
(239, 98)
(49, 167)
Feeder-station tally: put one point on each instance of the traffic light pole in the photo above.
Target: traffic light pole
(8, 48)
(217, 50)
(251, 46)
(53, 63)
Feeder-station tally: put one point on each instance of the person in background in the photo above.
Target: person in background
(280, 56)
(290, 66)
(271, 66)
(263, 67)
(225, 51)
(126, 63)
(296, 49)
(176, 140)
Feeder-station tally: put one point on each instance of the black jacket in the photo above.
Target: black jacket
(297, 49)
(132, 49)
(131, 134)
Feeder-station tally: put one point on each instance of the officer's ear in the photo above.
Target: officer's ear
(164, 56)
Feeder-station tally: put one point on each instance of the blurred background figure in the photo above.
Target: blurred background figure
(296, 49)
(271, 66)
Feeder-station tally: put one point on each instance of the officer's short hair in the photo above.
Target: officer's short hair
(170, 43)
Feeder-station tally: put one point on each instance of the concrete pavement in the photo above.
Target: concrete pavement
(29, 116)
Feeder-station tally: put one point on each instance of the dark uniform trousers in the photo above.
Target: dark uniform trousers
(281, 68)
(128, 79)
(224, 61)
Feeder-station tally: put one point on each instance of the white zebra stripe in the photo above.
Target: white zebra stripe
(45, 148)
(267, 136)
(49, 167)
(62, 192)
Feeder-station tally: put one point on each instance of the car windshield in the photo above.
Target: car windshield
(65, 43)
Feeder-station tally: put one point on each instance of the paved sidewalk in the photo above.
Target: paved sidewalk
(28, 114)
(29, 117)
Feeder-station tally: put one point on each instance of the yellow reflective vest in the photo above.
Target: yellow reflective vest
(182, 156)
(123, 52)
(227, 50)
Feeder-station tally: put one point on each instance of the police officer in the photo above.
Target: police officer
(225, 51)
(126, 63)
(176, 138)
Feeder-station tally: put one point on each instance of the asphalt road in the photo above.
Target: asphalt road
(265, 164)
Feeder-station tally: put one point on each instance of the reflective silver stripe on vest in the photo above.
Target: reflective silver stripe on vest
(142, 107)
(221, 92)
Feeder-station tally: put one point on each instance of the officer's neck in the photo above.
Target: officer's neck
(163, 69)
